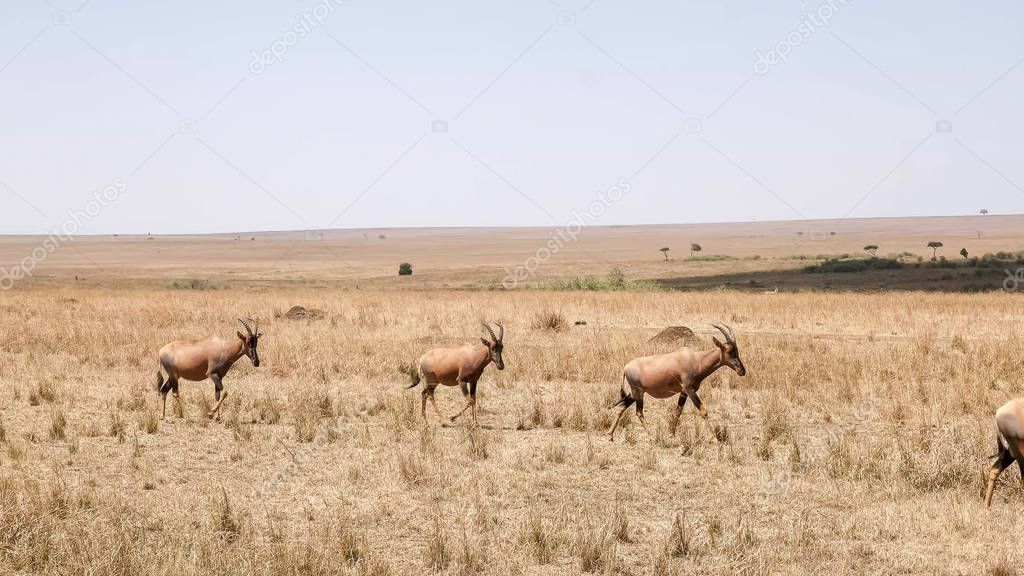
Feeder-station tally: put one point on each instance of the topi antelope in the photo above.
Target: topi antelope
(1009, 443)
(680, 372)
(458, 367)
(211, 357)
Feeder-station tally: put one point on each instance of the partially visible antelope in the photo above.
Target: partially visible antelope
(680, 372)
(1009, 443)
(211, 357)
(461, 367)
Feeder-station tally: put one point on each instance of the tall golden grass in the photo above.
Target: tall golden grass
(856, 444)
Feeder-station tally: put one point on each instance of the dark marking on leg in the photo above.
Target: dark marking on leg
(469, 400)
(638, 395)
(219, 394)
(678, 413)
(1003, 461)
(472, 398)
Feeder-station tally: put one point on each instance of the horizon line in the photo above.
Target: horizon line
(511, 226)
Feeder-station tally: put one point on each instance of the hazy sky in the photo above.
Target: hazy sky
(546, 103)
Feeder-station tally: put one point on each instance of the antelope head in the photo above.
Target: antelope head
(250, 340)
(730, 350)
(496, 344)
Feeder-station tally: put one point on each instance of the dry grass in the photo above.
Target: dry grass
(551, 320)
(855, 444)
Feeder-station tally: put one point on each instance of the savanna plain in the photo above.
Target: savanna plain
(857, 443)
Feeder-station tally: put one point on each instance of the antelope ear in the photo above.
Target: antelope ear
(240, 335)
(717, 343)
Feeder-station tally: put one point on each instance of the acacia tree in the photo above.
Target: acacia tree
(694, 248)
(963, 252)
(934, 245)
(664, 252)
(984, 211)
(871, 249)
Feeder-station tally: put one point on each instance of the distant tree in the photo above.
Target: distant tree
(963, 252)
(871, 249)
(934, 245)
(664, 252)
(694, 248)
(405, 269)
(984, 211)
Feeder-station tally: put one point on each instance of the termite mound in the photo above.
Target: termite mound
(674, 335)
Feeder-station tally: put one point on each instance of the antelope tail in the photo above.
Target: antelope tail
(159, 381)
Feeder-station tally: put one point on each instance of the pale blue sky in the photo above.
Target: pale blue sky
(546, 103)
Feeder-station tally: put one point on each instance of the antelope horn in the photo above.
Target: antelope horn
(501, 331)
(248, 328)
(728, 338)
(732, 335)
(489, 331)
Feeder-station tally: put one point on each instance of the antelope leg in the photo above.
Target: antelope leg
(611, 433)
(216, 407)
(678, 413)
(988, 490)
(165, 388)
(1003, 460)
(219, 393)
(177, 399)
(993, 474)
(472, 398)
(427, 393)
(640, 413)
(423, 405)
(469, 402)
(433, 402)
(692, 394)
(626, 403)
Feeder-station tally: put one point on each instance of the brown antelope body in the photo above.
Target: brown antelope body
(211, 357)
(1009, 443)
(680, 372)
(461, 367)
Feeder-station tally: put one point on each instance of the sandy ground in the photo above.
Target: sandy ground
(468, 257)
